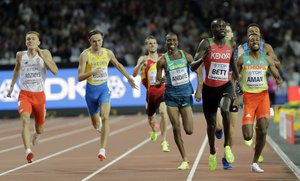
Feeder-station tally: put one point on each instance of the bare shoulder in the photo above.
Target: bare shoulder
(109, 52)
(46, 52)
(19, 54)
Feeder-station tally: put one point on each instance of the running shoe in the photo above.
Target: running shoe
(260, 159)
(212, 162)
(248, 143)
(226, 165)
(228, 154)
(165, 146)
(35, 139)
(255, 168)
(29, 157)
(219, 134)
(184, 166)
(101, 154)
(153, 136)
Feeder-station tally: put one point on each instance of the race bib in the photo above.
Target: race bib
(255, 78)
(32, 74)
(179, 76)
(218, 71)
(102, 77)
(152, 77)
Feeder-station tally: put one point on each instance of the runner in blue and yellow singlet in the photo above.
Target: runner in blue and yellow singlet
(92, 67)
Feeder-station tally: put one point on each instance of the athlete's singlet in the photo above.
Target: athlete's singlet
(178, 77)
(254, 72)
(32, 73)
(97, 62)
(217, 64)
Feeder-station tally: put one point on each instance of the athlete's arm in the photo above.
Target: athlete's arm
(160, 65)
(82, 75)
(15, 73)
(240, 63)
(274, 71)
(47, 57)
(233, 68)
(240, 50)
(270, 52)
(201, 53)
(141, 62)
(199, 83)
(121, 68)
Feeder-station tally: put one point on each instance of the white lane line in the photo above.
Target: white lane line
(199, 155)
(120, 157)
(284, 157)
(75, 147)
(116, 160)
(48, 129)
(16, 128)
(59, 136)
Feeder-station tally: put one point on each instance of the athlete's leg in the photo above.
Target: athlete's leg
(233, 116)
(187, 119)
(173, 113)
(164, 120)
(261, 133)
(25, 117)
(219, 124)
(105, 110)
(224, 107)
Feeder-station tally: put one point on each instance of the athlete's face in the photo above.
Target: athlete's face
(219, 28)
(171, 42)
(151, 45)
(96, 41)
(32, 41)
(253, 30)
(229, 33)
(254, 42)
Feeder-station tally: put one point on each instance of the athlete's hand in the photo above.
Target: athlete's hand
(132, 83)
(236, 101)
(97, 72)
(10, 91)
(279, 82)
(198, 95)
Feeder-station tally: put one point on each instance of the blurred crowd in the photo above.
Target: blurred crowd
(64, 25)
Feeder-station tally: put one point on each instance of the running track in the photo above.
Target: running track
(68, 151)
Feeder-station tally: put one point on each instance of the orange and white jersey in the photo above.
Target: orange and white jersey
(32, 73)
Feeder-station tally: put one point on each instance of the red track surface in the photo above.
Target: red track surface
(68, 151)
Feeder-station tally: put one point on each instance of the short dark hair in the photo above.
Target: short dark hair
(214, 22)
(33, 32)
(94, 32)
(148, 38)
(253, 24)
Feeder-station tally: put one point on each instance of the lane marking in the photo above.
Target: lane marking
(59, 136)
(120, 157)
(197, 160)
(284, 157)
(138, 123)
(48, 129)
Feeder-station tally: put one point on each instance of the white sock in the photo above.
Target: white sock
(28, 150)
(102, 151)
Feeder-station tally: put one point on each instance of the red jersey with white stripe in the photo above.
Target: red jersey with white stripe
(32, 73)
(217, 64)
(148, 75)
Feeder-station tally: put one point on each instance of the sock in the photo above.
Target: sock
(28, 150)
